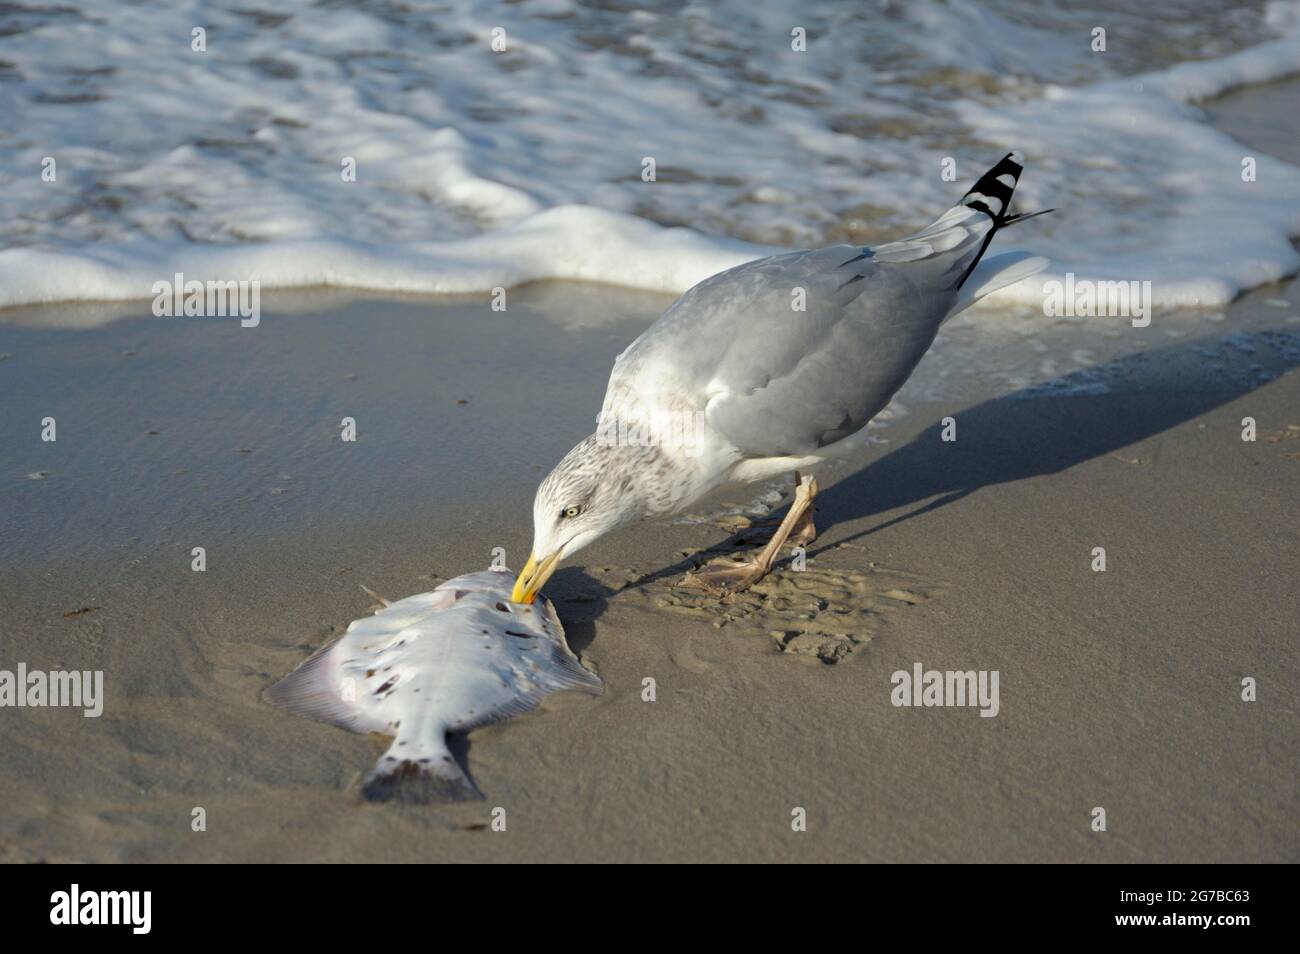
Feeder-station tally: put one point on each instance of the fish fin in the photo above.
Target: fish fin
(309, 691)
(573, 674)
(567, 675)
(419, 781)
(519, 706)
(382, 601)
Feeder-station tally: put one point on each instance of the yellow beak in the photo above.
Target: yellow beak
(533, 577)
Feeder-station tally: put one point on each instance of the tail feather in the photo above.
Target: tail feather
(419, 781)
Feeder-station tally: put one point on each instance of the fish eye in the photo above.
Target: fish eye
(571, 511)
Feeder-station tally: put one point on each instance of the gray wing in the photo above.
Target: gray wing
(777, 381)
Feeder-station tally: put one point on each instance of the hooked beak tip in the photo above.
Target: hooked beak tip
(532, 578)
(520, 593)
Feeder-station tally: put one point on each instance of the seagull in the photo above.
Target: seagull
(773, 366)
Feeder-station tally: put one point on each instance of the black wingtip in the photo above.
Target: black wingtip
(991, 194)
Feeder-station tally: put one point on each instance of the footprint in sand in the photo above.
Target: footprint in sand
(820, 613)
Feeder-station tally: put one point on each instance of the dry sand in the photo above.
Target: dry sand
(1119, 689)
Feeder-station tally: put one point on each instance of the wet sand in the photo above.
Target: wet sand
(1119, 690)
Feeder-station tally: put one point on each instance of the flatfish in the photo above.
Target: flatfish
(452, 659)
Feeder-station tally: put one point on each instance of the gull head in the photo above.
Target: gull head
(595, 488)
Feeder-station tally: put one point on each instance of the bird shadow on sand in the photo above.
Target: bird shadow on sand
(1043, 429)
(579, 600)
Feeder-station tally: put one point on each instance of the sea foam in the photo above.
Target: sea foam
(477, 169)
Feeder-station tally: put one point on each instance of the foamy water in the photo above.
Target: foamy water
(477, 168)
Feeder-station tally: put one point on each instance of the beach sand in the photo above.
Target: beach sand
(1118, 689)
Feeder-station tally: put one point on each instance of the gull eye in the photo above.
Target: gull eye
(571, 511)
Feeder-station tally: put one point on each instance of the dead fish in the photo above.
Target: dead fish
(450, 660)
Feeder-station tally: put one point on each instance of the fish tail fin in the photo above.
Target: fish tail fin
(419, 779)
